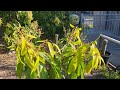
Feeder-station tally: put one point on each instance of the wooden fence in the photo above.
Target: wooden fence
(102, 22)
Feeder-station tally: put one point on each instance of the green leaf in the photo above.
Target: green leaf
(27, 72)
(79, 70)
(88, 67)
(76, 43)
(82, 74)
(73, 65)
(43, 55)
(82, 70)
(67, 54)
(73, 75)
(52, 74)
(33, 75)
(19, 69)
(43, 73)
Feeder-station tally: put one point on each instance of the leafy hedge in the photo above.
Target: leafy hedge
(52, 22)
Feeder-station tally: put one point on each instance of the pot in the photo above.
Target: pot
(106, 57)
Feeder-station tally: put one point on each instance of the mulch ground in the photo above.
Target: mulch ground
(7, 66)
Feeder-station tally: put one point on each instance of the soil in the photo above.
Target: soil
(7, 63)
(7, 66)
(95, 75)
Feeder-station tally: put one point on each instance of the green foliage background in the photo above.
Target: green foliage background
(52, 22)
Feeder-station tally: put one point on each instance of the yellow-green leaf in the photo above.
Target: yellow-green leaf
(80, 29)
(74, 75)
(57, 48)
(77, 42)
(31, 51)
(31, 36)
(77, 33)
(41, 41)
(93, 60)
(101, 59)
(88, 67)
(72, 26)
(23, 44)
(19, 58)
(29, 14)
(28, 61)
(96, 62)
(79, 70)
(52, 52)
(82, 74)
(41, 59)
(36, 64)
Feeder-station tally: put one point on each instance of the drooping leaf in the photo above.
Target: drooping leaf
(31, 36)
(43, 73)
(19, 69)
(88, 67)
(93, 61)
(57, 48)
(96, 62)
(72, 26)
(23, 41)
(79, 70)
(82, 70)
(31, 51)
(52, 52)
(76, 42)
(33, 75)
(19, 58)
(52, 74)
(36, 64)
(73, 65)
(101, 59)
(73, 75)
(41, 60)
(27, 72)
(82, 74)
(28, 61)
(29, 15)
(41, 41)
(43, 55)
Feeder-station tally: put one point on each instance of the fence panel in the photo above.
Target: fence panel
(102, 22)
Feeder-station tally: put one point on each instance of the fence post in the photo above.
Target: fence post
(100, 43)
(82, 20)
(56, 38)
(105, 41)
